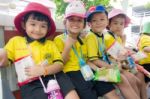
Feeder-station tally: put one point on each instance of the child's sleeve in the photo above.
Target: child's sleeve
(56, 55)
(145, 42)
(10, 48)
(108, 40)
(59, 43)
(92, 47)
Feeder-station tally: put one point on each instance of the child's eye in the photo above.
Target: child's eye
(80, 20)
(115, 23)
(44, 26)
(70, 20)
(121, 24)
(32, 24)
(93, 20)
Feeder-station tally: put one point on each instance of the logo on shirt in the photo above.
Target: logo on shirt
(47, 56)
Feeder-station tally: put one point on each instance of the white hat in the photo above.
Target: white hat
(75, 8)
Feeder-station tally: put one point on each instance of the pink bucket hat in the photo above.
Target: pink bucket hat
(34, 7)
(115, 12)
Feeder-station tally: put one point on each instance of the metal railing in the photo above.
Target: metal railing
(141, 14)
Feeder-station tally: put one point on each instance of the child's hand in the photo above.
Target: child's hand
(34, 71)
(67, 47)
(119, 66)
(70, 41)
(122, 56)
(3, 57)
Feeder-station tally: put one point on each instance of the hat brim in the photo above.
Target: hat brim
(91, 14)
(19, 19)
(127, 19)
(77, 15)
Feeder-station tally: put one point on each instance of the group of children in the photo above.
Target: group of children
(69, 51)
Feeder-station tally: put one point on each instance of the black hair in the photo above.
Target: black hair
(91, 16)
(37, 16)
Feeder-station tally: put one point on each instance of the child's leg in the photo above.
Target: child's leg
(105, 89)
(73, 94)
(84, 88)
(133, 80)
(126, 89)
(66, 86)
(34, 89)
(112, 95)
(143, 91)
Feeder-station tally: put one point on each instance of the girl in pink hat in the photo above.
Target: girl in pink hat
(118, 20)
(34, 55)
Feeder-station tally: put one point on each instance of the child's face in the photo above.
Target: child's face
(74, 24)
(98, 22)
(36, 29)
(117, 25)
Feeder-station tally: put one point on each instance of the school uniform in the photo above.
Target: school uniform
(110, 38)
(72, 68)
(145, 42)
(40, 50)
(93, 41)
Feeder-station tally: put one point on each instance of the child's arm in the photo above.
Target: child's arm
(100, 63)
(3, 57)
(93, 66)
(67, 47)
(39, 70)
(146, 49)
(44, 67)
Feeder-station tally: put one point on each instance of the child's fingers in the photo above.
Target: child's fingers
(34, 71)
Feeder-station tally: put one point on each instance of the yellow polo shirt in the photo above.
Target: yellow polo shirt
(17, 48)
(93, 46)
(109, 40)
(144, 42)
(73, 63)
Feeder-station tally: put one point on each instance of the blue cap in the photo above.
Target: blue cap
(95, 9)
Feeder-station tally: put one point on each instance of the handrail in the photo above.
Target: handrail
(141, 14)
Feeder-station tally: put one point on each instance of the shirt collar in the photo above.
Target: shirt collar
(97, 34)
(30, 40)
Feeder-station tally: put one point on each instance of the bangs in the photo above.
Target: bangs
(37, 16)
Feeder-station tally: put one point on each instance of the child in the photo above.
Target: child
(118, 20)
(144, 45)
(37, 53)
(73, 47)
(98, 15)
(97, 19)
